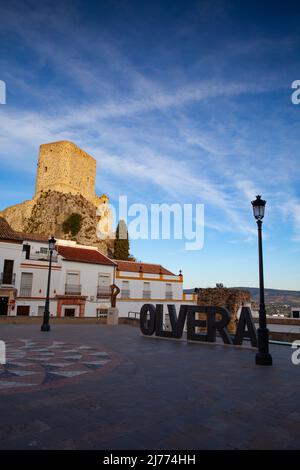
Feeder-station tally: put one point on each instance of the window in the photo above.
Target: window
(169, 293)
(125, 291)
(103, 280)
(102, 312)
(72, 285)
(69, 312)
(41, 309)
(147, 291)
(44, 250)
(8, 277)
(103, 289)
(26, 284)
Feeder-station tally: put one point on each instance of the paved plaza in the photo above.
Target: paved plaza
(101, 387)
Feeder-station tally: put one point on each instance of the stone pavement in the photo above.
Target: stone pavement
(101, 387)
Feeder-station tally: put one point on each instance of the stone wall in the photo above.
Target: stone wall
(232, 299)
(64, 167)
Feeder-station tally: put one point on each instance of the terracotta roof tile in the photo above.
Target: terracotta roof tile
(83, 255)
(6, 232)
(133, 266)
(34, 237)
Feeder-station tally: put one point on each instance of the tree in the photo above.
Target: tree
(72, 224)
(121, 243)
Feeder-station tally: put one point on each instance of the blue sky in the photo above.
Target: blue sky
(179, 101)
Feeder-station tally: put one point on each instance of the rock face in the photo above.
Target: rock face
(232, 299)
(65, 185)
(46, 215)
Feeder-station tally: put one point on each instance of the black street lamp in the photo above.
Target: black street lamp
(263, 357)
(46, 326)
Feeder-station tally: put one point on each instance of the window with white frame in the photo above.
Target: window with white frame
(26, 284)
(41, 309)
(125, 290)
(103, 288)
(169, 292)
(73, 286)
(147, 290)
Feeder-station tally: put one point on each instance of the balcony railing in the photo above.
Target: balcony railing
(169, 295)
(73, 289)
(25, 291)
(146, 294)
(103, 292)
(125, 293)
(8, 279)
(42, 257)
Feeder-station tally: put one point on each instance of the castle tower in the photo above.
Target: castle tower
(64, 167)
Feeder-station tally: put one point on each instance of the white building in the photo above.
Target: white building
(80, 279)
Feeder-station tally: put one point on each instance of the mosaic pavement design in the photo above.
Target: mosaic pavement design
(33, 365)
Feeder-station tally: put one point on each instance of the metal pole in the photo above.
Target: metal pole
(263, 357)
(46, 326)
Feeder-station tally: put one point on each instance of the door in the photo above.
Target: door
(8, 271)
(23, 310)
(3, 305)
(69, 312)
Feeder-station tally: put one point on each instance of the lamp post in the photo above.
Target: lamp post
(263, 357)
(45, 326)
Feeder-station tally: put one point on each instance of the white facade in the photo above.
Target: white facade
(80, 287)
(138, 288)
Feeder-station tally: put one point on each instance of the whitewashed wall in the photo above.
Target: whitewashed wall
(88, 274)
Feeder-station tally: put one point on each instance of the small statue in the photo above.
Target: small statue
(114, 293)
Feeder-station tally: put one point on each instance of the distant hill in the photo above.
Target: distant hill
(276, 296)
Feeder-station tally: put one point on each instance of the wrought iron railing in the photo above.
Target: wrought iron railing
(169, 295)
(125, 293)
(25, 291)
(73, 289)
(134, 314)
(42, 257)
(8, 279)
(103, 292)
(146, 294)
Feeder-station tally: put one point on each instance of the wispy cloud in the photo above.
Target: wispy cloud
(201, 135)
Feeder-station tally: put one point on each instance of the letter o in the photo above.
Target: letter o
(147, 326)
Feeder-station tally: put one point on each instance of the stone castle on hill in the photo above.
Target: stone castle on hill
(65, 185)
(65, 168)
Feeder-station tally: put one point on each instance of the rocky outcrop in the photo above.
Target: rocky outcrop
(46, 214)
(232, 299)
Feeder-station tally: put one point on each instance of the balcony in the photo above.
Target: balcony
(146, 294)
(25, 291)
(72, 289)
(169, 295)
(42, 257)
(8, 279)
(125, 293)
(103, 292)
